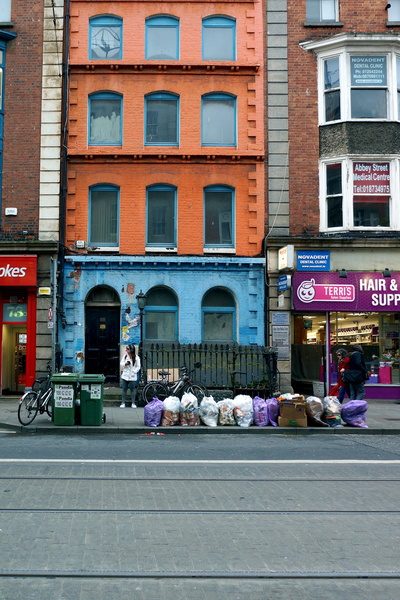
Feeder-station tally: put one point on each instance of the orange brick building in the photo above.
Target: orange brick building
(165, 176)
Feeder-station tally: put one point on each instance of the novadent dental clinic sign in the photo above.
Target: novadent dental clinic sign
(313, 260)
(18, 270)
(359, 292)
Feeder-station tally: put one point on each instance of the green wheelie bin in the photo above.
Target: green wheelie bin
(64, 397)
(91, 398)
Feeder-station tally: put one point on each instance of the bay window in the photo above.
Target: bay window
(359, 194)
(359, 77)
(369, 87)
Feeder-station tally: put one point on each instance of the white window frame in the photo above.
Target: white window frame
(336, 10)
(394, 11)
(344, 47)
(5, 11)
(347, 191)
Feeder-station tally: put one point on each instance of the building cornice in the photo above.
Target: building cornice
(352, 40)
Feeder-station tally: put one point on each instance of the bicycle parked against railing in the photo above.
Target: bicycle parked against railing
(162, 388)
(37, 400)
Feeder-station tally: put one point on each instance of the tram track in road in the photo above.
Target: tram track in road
(163, 511)
(208, 575)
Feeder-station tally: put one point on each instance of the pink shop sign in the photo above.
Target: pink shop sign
(358, 292)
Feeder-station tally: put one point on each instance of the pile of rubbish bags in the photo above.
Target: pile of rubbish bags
(330, 413)
(245, 411)
(242, 410)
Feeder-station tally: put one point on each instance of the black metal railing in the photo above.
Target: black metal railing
(223, 366)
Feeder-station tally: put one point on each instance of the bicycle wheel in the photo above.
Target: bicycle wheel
(154, 389)
(49, 402)
(28, 408)
(198, 389)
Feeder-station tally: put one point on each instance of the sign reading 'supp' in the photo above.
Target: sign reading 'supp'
(18, 270)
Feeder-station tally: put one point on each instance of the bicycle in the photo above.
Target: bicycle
(162, 388)
(37, 400)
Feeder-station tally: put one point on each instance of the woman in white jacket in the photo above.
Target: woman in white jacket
(130, 364)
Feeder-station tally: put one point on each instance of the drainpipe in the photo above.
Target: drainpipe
(64, 152)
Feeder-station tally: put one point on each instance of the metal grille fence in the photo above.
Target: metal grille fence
(250, 369)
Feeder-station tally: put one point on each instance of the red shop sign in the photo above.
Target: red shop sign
(18, 270)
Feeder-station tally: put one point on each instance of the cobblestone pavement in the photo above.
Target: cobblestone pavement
(192, 530)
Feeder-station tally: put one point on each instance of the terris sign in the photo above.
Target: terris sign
(18, 270)
(359, 292)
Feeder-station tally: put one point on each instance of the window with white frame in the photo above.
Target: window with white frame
(394, 11)
(5, 11)
(218, 120)
(359, 193)
(218, 216)
(105, 119)
(219, 316)
(359, 83)
(105, 38)
(398, 84)
(321, 10)
(161, 216)
(103, 215)
(219, 38)
(162, 38)
(161, 119)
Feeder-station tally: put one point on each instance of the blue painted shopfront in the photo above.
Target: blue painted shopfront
(195, 291)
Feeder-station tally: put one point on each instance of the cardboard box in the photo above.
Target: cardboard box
(299, 422)
(293, 409)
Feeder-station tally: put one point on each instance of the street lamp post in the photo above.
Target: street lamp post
(141, 300)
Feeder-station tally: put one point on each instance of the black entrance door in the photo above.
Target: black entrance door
(102, 341)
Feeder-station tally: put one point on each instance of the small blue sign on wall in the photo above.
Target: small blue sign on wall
(313, 260)
(284, 282)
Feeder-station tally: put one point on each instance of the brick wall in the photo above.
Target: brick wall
(133, 166)
(357, 16)
(22, 107)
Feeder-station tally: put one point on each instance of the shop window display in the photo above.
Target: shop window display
(378, 334)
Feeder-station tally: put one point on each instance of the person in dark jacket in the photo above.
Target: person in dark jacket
(357, 363)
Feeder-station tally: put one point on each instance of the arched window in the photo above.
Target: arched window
(219, 38)
(105, 119)
(218, 216)
(161, 119)
(162, 38)
(103, 215)
(219, 316)
(161, 315)
(218, 120)
(105, 38)
(161, 216)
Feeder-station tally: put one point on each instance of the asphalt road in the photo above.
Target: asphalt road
(199, 517)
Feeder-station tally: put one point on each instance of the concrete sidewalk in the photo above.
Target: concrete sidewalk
(383, 417)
